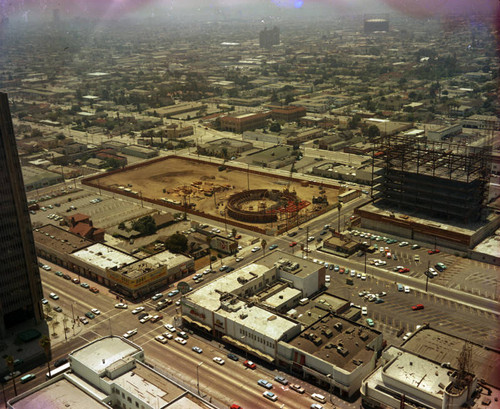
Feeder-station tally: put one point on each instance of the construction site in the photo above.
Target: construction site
(430, 191)
(440, 179)
(254, 199)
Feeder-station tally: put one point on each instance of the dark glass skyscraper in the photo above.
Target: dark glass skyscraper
(20, 284)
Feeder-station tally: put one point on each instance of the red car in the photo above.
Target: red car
(404, 270)
(293, 244)
(418, 307)
(249, 364)
(235, 406)
(435, 251)
(94, 290)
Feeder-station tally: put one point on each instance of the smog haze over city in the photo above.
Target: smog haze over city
(250, 204)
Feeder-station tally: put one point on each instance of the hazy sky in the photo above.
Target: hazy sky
(112, 9)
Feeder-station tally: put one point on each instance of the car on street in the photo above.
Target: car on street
(180, 340)
(435, 251)
(161, 339)
(416, 257)
(94, 290)
(84, 285)
(273, 246)
(167, 335)
(170, 327)
(198, 350)
(281, 379)
(59, 273)
(440, 267)
(173, 293)
(407, 289)
(137, 310)
(130, 333)
(297, 388)
(83, 320)
(57, 308)
(417, 307)
(183, 334)
(327, 278)
(157, 296)
(46, 267)
(95, 311)
(76, 280)
(238, 259)
(44, 301)
(310, 238)
(316, 406)
(121, 305)
(233, 357)
(90, 315)
(255, 249)
(249, 364)
(270, 396)
(218, 360)
(364, 310)
(54, 296)
(155, 318)
(265, 384)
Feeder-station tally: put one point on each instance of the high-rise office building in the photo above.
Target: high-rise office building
(20, 284)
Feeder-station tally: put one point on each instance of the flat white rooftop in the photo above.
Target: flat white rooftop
(103, 256)
(61, 394)
(166, 258)
(100, 354)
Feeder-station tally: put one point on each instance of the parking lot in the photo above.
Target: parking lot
(461, 273)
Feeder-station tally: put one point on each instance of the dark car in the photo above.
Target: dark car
(141, 316)
(233, 357)
(60, 361)
(66, 277)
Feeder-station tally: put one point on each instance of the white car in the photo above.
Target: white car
(46, 267)
(168, 335)
(310, 238)
(180, 340)
(161, 338)
(238, 259)
(255, 249)
(145, 319)
(129, 333)
(137, 310)
(407, 289)
(407, 335)
(327, 278)
(364, 310)
(170, 327)
(121, 306)
(363, 277)
(54, 296)
(95, 311)
(403, 243)
(353, 273)
(219, 360)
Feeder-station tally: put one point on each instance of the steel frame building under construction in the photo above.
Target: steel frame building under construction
(438, 179)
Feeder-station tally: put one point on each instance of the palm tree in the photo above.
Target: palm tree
(9, 360)
(339, 206)
(263, 243)
(45, 344)
(209, 240)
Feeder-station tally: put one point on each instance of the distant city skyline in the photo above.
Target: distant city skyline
(113, 9)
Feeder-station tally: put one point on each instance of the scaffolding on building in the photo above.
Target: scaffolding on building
(438, 179)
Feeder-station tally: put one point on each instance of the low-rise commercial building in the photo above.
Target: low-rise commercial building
(416, 382)
(244, 122)
(109, 372)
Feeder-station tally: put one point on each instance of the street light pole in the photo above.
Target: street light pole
(198, 376)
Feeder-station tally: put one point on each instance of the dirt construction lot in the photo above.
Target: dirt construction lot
(202, 184)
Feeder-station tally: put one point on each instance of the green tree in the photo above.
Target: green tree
(275, 127)
(145, 225)
(373, 131)
(354, 121)
(176, 243)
